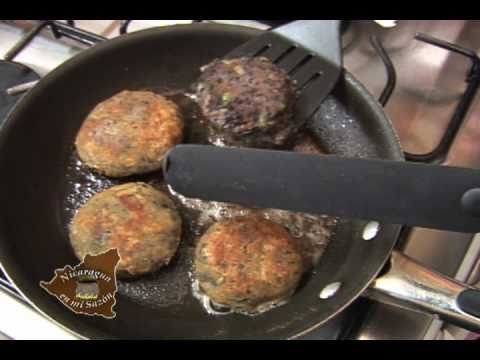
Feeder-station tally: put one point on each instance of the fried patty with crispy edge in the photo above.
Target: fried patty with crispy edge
(247, 261)
(138, 220)
(129, 133)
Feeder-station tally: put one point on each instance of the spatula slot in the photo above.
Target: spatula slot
(303, 62)
(285, 54)
(310, 81)
(262, 50)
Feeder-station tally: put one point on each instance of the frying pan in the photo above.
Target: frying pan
(35, 159)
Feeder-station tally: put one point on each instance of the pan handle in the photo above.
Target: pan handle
(410, 285)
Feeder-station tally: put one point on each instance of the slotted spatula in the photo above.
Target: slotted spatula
(315, 65)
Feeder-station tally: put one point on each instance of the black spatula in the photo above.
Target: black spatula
(395, 192)
(315, 65)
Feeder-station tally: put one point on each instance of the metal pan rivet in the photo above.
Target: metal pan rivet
(370, 230)
(329, 290)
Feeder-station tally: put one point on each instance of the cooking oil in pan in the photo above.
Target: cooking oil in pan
(312, 231)
(174, 286)
(217, 309)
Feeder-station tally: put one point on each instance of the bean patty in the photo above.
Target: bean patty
(247, 261)
(129, 133)
(138, 220)
(248, 102)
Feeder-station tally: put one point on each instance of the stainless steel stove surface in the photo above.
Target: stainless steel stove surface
(430, 84)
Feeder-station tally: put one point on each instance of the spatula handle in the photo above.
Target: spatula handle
(431, 196)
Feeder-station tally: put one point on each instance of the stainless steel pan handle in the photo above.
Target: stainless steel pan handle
(411, 285)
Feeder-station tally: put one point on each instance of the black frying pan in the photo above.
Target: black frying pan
(36, 145)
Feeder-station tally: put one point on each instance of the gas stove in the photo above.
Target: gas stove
(425, 73)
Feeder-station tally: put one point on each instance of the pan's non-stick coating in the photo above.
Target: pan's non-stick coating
(35, 147)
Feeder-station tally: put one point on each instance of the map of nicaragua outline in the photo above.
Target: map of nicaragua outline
(99, 269)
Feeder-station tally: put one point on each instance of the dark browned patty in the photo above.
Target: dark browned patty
(247, 261)
(129, 133)
(138, 220)
(248, 102)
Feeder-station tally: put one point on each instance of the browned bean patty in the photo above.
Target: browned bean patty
(138, 220)
(248, 102)
(129, 133)
(247, 261)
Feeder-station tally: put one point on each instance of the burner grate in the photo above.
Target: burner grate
(439, 154)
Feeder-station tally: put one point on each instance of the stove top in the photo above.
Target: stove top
(425, 74)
